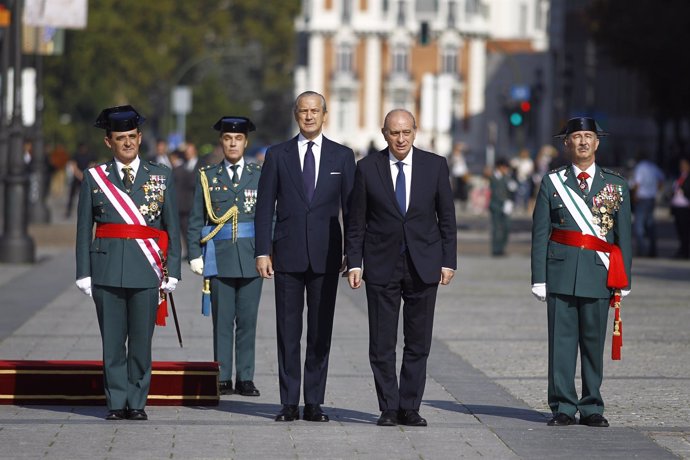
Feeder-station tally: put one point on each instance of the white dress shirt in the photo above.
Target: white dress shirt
(238, 170)
(134, 165)
(592, 168)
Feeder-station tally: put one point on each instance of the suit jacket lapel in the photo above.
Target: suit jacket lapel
(292, 165)
(114, 175)
(417, 179)
(325, 167)
(384, 168)
(142, 176)
(571, 180)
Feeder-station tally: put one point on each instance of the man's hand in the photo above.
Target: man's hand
(197, 265)
(354, 278)
(539, 291)
(169, 285)
(625, 292)
(446, 275)
(264, 267)
(84, 285)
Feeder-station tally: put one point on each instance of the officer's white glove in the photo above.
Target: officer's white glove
(508, 207)
(84, 285)
(625, 292)
(539, 291)
(170, 285)
(197, 265)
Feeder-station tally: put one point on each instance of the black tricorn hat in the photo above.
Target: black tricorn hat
(581, 124)
(232, 124)
(121, 118)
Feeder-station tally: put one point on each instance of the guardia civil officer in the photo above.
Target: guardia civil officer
(581, 256)
(221, 248)
(133, 259)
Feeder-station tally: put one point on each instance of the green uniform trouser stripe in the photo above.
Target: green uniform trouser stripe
(235, 308)
(126, 318)
(576, 322)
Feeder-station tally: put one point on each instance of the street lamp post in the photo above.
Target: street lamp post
(38, 210)
(16, 246)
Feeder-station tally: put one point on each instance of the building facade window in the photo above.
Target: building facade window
(400, 60)
(452, 5)
(402, 17)
(344, 58)
(347, 11)
(449, 60)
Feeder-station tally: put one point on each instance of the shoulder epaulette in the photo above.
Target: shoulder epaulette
(158, 165)
(560, 168)
(254, 166)
(610, 171)
(205, 167)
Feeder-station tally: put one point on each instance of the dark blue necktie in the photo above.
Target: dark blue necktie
(400, 187)
(309, 172)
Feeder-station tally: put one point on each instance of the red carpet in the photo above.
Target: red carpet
(80, 383)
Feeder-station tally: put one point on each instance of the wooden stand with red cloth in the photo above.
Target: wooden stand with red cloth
(80, 383)
(616, 280)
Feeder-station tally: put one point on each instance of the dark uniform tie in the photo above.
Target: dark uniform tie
(235, 177)
(400, 187)
(309, 172)
(583, 176)
(127, 178)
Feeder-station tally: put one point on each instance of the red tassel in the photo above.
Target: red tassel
(617, 339)
(162, 311)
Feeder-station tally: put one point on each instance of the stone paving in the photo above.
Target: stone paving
(486, 385)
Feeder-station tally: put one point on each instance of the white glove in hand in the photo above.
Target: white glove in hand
(625, 292)
(170, 285)
(539, 291)
(84, 285)
(197, 265)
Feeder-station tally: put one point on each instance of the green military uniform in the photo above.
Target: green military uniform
(500, 220)
(577, 295)
(235, 286)
(125, 287)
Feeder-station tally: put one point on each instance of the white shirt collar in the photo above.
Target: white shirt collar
(591, 170)
(240, 163)
(134, 164)
(302, 141)
(407, 160)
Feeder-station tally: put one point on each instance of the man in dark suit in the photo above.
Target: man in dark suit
(221, 248)
(185, 175)
(135, 254)
(401, 230)
(305, 183)
(581, 256)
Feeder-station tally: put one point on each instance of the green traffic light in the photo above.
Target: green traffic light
(515, 119)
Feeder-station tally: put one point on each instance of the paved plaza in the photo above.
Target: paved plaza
(486, 386)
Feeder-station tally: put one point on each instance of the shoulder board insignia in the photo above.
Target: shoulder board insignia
(560, 168)
(610, 171)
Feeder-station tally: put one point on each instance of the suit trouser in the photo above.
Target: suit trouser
(500, 228)
(576, 322)
(418, 319)
(126, 318)
(235, 308)
(321, 291)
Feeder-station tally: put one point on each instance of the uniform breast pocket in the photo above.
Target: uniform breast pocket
(558, 213)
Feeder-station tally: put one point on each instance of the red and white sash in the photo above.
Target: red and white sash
(129, 212)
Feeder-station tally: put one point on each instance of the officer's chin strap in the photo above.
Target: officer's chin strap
(617, 339)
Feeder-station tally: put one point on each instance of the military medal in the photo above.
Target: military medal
(249, 200)
(605, 204)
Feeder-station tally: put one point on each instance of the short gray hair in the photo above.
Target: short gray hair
(310, 93)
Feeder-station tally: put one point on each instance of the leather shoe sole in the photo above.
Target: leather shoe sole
(388, 418)
(411, 418)
(137, 414)
(116, 415)
(561, 419)
(289, 413)
(594, 420)
(313, 413)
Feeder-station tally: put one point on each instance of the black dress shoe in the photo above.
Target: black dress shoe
(137, 414)
(561, 419)
(116, 415)
(388, 418)
(225, 387)
(289, 413)
(596, 420)
(313, 413)
(246, 388)
(411, 418)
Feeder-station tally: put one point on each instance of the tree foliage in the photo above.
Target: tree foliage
(236, 55)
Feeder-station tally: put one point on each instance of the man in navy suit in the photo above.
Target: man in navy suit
(305, 183)
(401, 231)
